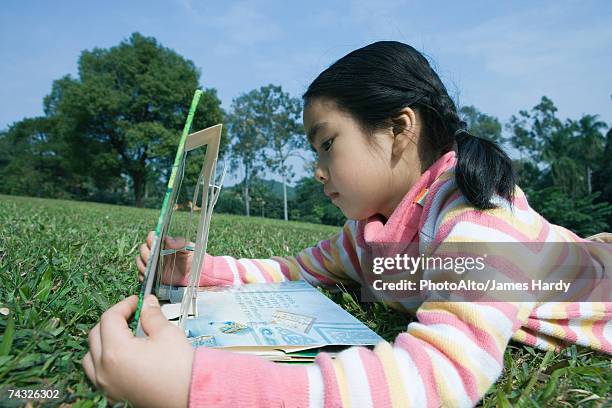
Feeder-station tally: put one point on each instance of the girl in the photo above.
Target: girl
(395, 157)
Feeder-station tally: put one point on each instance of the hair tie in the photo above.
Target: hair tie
(461, 134)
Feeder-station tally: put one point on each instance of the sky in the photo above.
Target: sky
(501, 57)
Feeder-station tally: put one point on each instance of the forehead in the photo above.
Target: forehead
(318, 110)
(321, 114)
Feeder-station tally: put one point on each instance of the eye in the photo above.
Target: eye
(326, 145)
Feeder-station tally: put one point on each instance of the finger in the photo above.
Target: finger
(88, 366)
(140, 265)
(174, 243)
(152, 319)
(114, 322)
(95, 344)
(150, 237)
(145, 252)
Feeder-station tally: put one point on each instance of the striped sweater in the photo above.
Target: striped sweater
(449, 357)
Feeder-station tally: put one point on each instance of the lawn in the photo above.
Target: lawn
(62, 263)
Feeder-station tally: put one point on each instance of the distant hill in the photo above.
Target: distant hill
(276, 187)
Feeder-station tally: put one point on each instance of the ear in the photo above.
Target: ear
(404, 131)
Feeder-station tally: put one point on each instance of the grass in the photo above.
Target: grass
(62, 263)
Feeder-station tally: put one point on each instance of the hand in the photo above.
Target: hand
(176, 266)
(150, 372)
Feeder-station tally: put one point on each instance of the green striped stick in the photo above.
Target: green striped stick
(173, 182)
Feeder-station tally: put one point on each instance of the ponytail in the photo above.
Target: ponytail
(482, 169)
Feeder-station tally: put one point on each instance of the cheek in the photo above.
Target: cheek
(369, 175)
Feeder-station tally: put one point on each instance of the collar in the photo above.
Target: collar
(403, 223)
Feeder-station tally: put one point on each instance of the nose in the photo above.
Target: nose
(320, 174)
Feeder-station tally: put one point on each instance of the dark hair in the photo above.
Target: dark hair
(374, 83)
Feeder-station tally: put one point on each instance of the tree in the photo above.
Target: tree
(480, 124)
(582, 215)
(589, 146)
(28, 161)
(555, 169)
(312, 205)
(247, 138)
(229, 202)
(279, 118)
(601, 176)
(545, 141)
(262, 194)
(127, 107)
(35, 162)
(566, 151)
(533, 134)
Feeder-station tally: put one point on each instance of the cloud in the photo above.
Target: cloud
(536, 41)
(508, 62)
(244, 25)
(186, 5)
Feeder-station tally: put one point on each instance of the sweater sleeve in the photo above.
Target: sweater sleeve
(450, 356)
(329, 262)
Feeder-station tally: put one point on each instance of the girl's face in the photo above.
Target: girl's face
(361, 174)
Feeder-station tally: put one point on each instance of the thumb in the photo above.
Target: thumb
(152, 318)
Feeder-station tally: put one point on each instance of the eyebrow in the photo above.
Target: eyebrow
(312, 133)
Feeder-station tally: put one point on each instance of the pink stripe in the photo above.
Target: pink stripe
(321, 278)
(573, 310)
(283, 267)
(568, 333)
(221, 269)
(488, 220)
(608, 310)
(587, 275)
(504, 265)
(435, 187)
(599, 335)
(508, 309)
(582, 289)
(360, 234)
(331, 390)
(318, 255)
(480, 337)
(215, 272)
(582, 285)
(326, 245)
(352, 255)
(379, 387)
(267, 276)
(533, 324)
(520, 200)
(530, 339)
(433, 191)
(576, 237)
(599, 326)
(242, 272)
(467, 377)
(447, 204)
(415, 349)
(589, 282)
(563, 255)
(223, 379)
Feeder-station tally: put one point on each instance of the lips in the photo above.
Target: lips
(332, 196)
